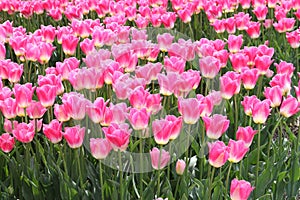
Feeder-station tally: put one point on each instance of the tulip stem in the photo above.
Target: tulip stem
(121, 175)
(77, 152)
(101, 179)
(228, 174)
(176, 189)
(141, 163)
(294, 167)
(258, 154)
(211, 174)
(158, 171)
(236, 112)
(272, 136)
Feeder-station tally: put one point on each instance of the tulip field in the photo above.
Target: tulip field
(158, 99)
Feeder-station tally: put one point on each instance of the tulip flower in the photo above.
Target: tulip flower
(209, 66)
(118, 135)
(289, 106)
(7, 142)
(159, 159)
(234, 43)
(237, 151)
(139, 119)
(24, 132)
(218, 154)
(274, 94)
(246, 134)
(240, 189)
(100, 148)
(215, 126)
(74, 136)
(261, 110)
(180, 166)
(23, 94)
(189, 109)
(53, 131)
(35, 110)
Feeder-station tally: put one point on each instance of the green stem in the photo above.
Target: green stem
(121, 175)
(294, 168)
(260, 79)
(272, 136)
(77, 152)
(207, 86)
(177, 185)
(158, 171)
(258, 154)
(236, 112)
(211, 178)
(101, 180)
(141, 164)
(228, 175)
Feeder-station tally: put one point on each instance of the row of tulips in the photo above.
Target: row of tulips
(108, 88)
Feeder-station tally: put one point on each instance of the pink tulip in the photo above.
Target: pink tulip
(189, 109)
(237, 151)
(180, 166)
(168, 19)
(23, 94)
(261, 110)
(167, 83)
(161, 131)
(74, 136)
(230, 25)
(2, 51)
(87, 46)
(48, 33)
(249, 78)
(219, 26)
(76, 104)
(69, 44)
(293, 39)
(8, 108)
(274, 94)
(215, 126)
(285, 68)
(119, 112)
(118, 135)
(100, 148)
(251, 53)
(149, 71)
(206, 105)
(139, 119)
(24, 132)
(45, 52)
(253, 30)
(174, 64)
(218, 154)
(240, 190)
(297, 91)
(46, 94)
(283, 81)
(260, 12)
(62, 112)
(242, 20)
(235, 43)
(52, 80)
(245, 134)
(53, 131)
(15, 72)
(66, 67)
(209, 66)
(262, 63)
(238, 61)
(35, 110)
(230, 84)
(97, 110)
(159, 159)
(289, 106)
(248, 104)
(7, 142)
(164, 41)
